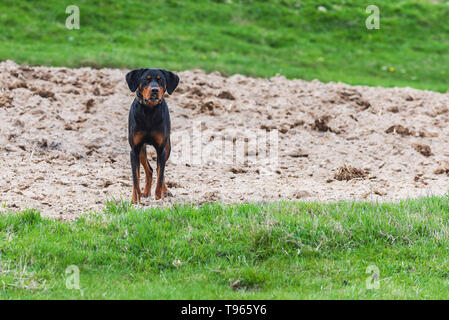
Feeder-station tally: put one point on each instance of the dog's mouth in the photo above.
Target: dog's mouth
(150, 98)
(153, 99)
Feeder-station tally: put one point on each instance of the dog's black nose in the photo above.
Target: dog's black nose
(154, 90)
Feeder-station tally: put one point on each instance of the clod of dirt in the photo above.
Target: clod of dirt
(46, 76)
(423, 133)
(89, 104)
(44, 145)
(437, 112)
(17, 84)
(298, 154)
(212, 196)
(268, 127)
(173, 184)
(353, 95)
(320, 124)
(91, 148)
(423, 149)
(55, 145)
(69, 127)
(25, 68)
(106, 184)
(46, 94)
(393, 109)
(11, 148)
(297, 123)
(237, 170)
(196, 91)
(364, 104)
(348, 173)
(419, 177)
(6, 101)
(379, 192)
(283, 129)
(210, 107)
(73, 91)
(443, 169)
(301, 194)
(12, 137)
(180, 89)
(397, 128)
(19, 123)
(226, 95)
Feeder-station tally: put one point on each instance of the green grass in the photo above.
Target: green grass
(258, 38)
(274, 250)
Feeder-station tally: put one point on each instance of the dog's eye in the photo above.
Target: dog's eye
(158, 77)
(149, 77)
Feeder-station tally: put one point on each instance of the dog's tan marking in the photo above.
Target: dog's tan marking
(148, 171)
(167, 150)
(146, 92)
(138, 137)
(158, 138)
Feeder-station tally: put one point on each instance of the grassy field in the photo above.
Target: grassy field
(281, 250)
(306, 39)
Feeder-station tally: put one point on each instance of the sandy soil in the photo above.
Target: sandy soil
(64, 149)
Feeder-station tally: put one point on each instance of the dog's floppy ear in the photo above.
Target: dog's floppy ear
(171, 79)
(132, 78)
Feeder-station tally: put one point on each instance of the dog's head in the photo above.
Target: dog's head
(151, 84)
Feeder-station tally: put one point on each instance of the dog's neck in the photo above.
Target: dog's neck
(149, 111)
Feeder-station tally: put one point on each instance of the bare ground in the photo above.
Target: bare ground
(64, 149)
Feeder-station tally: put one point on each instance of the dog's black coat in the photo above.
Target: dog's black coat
(149, 123)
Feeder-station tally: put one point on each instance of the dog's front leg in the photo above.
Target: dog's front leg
(135, 167)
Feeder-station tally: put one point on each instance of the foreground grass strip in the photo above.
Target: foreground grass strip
(322, 39)
(272, 250)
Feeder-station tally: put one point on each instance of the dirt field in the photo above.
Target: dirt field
(64, 148)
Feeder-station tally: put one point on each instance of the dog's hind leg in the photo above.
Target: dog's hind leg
(167, 153)
(160, 183)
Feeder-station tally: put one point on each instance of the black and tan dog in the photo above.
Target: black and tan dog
(149, 123)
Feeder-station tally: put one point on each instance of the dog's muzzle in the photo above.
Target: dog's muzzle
(153, 98)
